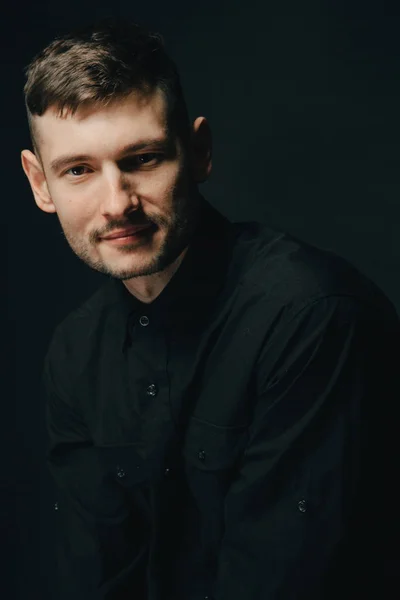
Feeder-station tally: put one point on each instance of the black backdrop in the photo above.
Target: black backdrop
(303, 99)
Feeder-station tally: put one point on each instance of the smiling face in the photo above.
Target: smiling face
(106, 168)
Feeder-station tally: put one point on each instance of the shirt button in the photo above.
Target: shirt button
(302, 506)
(56, 506)
(151, 390)
(167, 471)
(144, 321)
(120, 473)
(201, 455)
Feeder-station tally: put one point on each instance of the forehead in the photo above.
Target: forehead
(95, 128)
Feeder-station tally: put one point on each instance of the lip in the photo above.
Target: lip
(126, 232)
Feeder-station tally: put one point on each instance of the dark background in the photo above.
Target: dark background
(303, 99)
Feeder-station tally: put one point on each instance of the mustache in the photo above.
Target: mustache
(137, 222)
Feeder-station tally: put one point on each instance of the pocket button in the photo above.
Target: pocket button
(120, 472)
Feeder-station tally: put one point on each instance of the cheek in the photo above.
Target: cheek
(74, 212)
(166, 181)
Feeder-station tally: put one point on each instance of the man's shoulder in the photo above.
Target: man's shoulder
(291, 272)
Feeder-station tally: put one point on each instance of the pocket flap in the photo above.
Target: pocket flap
(210, 447)
(124, 463)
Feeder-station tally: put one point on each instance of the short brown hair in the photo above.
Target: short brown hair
(100, 63)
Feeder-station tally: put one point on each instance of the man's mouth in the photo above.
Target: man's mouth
(127, 233)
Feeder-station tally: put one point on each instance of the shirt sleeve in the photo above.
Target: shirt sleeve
(96, 549)
(312, 512)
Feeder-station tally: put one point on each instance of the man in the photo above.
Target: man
(217, 410)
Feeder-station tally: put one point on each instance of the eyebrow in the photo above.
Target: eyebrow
(63, 161)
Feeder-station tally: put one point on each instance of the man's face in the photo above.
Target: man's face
(128, 170)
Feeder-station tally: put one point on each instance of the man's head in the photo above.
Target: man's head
(113, 147)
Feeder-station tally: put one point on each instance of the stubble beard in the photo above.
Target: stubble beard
(180, 231)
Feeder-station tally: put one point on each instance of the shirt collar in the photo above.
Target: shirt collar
(194, 286)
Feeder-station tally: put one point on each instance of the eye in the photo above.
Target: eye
(75, 171)
(140, 160)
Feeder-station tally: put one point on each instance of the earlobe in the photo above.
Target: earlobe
(37, 180)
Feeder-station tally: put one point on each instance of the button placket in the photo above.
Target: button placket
(152, 389)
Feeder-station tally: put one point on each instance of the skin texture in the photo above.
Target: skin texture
(110, 187)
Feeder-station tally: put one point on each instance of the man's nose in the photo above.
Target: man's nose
(117, 195)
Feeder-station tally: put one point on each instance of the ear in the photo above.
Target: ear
(201, 150)
(35, 174)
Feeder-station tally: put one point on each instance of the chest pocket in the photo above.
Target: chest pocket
(211, 456)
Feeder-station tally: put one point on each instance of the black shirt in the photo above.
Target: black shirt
(230, 440)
